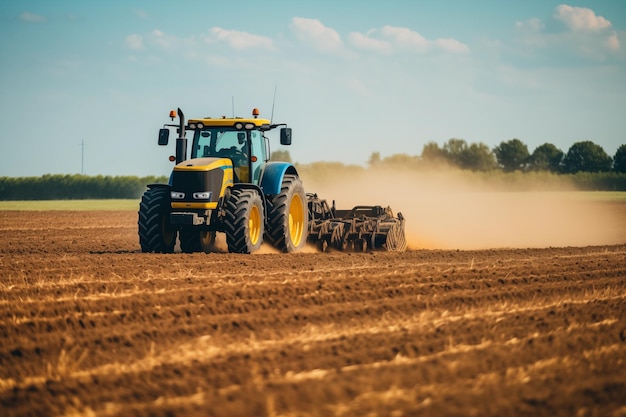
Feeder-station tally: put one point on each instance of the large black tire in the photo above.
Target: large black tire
(244, 222)
(288, 216)
(194, 240)
(155, 232)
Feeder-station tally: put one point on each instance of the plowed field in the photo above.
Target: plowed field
(90, 326)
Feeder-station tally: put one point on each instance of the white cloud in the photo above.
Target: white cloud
(193, 44)
(580, 18)
(134, 41)
(534, 24)
(31, 17)
(584, 35)
(213, 48)
(390, 38)
(613, 42)
(240, 40)
(406, 38)
(361, 41)
(451, 45)
(313, 32)
(162, 39)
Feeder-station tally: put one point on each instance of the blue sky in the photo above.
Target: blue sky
(352, 77)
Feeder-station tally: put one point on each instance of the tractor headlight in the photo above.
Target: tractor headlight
(200, 125)
(192, 125)
(177, 195)
(249, 126)
(239, 125)
(205, 195)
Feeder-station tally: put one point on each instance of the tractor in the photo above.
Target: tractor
(227, 184)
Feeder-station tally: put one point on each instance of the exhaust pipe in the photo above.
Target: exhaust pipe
(181, 141)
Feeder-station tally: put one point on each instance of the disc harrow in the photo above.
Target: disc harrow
(360, 229)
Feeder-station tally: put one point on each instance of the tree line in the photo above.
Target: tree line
(586, 164)
(75, 187)
(508, 156)
(511, 156)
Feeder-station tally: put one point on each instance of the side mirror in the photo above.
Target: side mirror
(285, 136)
(164, 135)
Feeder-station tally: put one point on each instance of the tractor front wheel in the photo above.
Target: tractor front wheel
(288, 216)
(155, 231)
(244, 222)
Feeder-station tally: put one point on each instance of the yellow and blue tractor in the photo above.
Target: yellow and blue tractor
(227, 184)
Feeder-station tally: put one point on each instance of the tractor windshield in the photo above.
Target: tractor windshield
(233, 144)
(217, 143)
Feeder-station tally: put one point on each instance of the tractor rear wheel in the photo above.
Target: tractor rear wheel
(288, 216)
(244, 222)
(193, 240)
(155, 232)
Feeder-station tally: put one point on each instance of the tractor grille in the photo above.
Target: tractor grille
(190, 182)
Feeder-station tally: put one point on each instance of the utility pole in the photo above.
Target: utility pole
(82, 156)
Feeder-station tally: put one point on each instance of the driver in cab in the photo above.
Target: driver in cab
(240, 160)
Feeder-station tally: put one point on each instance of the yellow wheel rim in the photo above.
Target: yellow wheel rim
(254, 225)
(296, 220)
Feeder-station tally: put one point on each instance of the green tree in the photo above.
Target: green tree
(546, 157)
(586, 156)
(280, 155)
(454, 150)
(431, 152)
(475, 157)
(512, 155)
(619, 160)
(478, 157)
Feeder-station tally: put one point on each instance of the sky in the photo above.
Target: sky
(86, 85)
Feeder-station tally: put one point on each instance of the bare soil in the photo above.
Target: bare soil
(91, 326)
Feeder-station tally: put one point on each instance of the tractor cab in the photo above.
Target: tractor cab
(247, 149)
(241, 140)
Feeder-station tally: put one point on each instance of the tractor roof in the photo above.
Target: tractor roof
(224, 121)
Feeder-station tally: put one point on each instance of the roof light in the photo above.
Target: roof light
(238, 125)
(249, 126)
(172, 114)
(255, 112)
(200, 125)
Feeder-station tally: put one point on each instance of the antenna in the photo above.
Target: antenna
(273, 102)
(233, 103)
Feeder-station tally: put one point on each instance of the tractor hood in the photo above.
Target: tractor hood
(203, 164)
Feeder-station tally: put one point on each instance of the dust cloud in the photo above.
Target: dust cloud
(456, 210)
